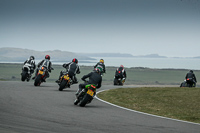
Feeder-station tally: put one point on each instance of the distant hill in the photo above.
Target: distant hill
(18, 54)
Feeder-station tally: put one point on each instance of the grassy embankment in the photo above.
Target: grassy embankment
(173, 102)
(139, 76)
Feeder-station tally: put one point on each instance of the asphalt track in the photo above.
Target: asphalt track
(25, 108)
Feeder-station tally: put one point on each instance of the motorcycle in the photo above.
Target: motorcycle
(40, 75)
(188, 83)
(26, 72)
(65, 82)
(86, 95)
(118, 80)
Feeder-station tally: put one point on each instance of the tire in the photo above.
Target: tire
(24, 75)
(120, 82)
(62, 85)
(85, 100)
(37, 80)
(115, 81)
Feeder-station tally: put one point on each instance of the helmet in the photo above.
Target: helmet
(75, 60)
(47, 57)
(32, 57)
(122, 66)
(191, 71)
(101, 60)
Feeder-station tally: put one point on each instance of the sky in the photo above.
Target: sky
(138, 27)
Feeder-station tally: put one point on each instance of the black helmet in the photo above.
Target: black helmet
(32, 57)
(47, 57)
(75, 60)
(191, 71)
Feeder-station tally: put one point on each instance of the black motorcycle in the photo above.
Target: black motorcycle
(118, 80)
(86, 95)
(188, 83)
(65, 82)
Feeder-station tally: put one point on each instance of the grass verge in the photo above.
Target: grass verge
(173, 102)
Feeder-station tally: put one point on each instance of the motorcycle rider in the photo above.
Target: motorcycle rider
(190, 78)
(72, 69)
(101, 66)
(44, 63)
(94, 78)
(121, 72)
(30, 61)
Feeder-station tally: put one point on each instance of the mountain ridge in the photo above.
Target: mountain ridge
(20, 54)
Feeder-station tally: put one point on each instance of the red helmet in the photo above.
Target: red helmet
(47, 57)
(75, 60)
(122, 66)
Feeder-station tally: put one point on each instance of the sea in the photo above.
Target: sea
(128, 62)
(157, 63)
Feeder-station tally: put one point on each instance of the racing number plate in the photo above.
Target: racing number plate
(90, 92)
(66, 77)
(41, 72)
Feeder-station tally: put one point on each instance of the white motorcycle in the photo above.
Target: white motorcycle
(26, 72)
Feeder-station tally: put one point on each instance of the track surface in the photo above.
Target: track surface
(25, 108)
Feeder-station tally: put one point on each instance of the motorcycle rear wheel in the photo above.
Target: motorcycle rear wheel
(85, 100)
(115, 81)
(24, 75)
(37, 80)
(62, 85)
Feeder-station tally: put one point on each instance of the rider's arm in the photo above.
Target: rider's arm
(104, 69)
(34, 65)
(66, 65)
(186, 76)
(195, 78)
(96, 65)
(86, 76)
(40, 63)
(124, 73)
(25, 62)
(78, 70)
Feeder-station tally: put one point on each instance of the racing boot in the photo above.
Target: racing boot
(57, 81)
(78, 92)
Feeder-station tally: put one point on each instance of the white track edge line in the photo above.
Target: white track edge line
(142, 112)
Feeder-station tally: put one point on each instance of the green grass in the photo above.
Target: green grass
(139, 75)
(173, 102)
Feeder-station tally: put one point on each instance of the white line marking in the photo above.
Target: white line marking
(142, 112)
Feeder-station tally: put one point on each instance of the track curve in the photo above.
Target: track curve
(26, 108)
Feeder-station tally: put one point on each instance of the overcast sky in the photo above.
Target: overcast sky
(138, 27)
